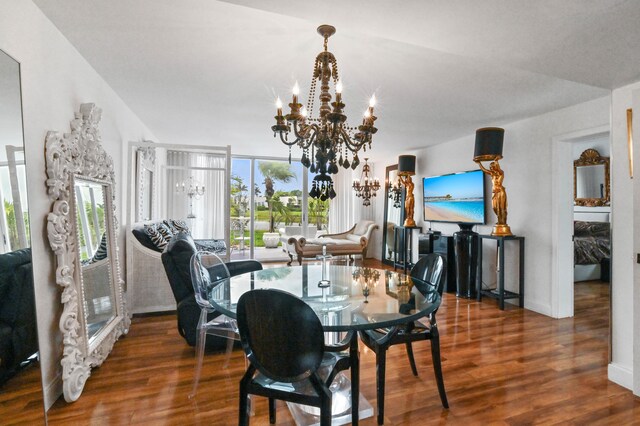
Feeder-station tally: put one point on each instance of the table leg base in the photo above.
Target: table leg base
(303, 417)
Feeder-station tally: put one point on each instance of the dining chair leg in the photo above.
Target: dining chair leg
(325, 410)
(412, 361)
(229, 351)
(200, 343)
(243, 406)
(354, 355)
(381, 361)
(437, 366)
(272, 411)
(243, 409)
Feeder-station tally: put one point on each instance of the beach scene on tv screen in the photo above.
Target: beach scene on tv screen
(454, 198)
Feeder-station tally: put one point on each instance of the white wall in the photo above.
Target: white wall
(600, 143)
(56, 79)
(624, 222)
(528, 179)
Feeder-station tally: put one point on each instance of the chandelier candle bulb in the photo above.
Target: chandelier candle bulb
(296, 91)
(279, 106)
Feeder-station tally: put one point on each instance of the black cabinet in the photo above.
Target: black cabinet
(443, 245)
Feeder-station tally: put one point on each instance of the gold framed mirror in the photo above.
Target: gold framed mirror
(591, 181)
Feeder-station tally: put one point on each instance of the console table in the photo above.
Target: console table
(500, 293)
(403, 243)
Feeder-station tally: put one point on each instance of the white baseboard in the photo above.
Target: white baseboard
(52, 392)
(620, 375)
(538, 307)
(154, 309)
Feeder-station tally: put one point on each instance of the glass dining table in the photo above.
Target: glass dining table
(354, 299)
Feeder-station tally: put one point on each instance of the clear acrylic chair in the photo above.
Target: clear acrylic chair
(207, 272)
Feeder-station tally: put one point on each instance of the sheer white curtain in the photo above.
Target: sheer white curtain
(346, 209)
(206, 169)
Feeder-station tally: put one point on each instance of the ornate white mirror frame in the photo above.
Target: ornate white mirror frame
(79, 154)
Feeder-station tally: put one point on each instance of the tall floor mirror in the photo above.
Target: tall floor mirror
(20, 381)
(393, 213)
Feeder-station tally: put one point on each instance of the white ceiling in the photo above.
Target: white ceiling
(204, 71)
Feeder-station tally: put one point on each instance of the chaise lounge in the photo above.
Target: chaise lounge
(352, 242)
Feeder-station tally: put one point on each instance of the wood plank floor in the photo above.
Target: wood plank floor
(21, 398)
(511, 367)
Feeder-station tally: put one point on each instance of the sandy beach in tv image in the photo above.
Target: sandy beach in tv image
(454, 198)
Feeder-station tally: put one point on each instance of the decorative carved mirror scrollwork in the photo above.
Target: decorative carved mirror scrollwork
(82, 232)
(591, 183)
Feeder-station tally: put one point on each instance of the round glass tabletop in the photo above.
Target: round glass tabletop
(356, 298)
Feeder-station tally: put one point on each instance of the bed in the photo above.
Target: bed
(592, 246)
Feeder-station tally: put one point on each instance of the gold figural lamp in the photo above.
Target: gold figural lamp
(406, 169)
(489, 148)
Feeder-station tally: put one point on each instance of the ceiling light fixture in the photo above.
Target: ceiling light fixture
(366, 187)
(327, 139)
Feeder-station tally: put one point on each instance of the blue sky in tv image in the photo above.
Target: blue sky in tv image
(456, 197)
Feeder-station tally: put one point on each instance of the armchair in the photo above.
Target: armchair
(176, 260)
(147, 282)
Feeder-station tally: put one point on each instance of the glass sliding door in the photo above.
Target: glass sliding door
(241, 208)
(268, 204)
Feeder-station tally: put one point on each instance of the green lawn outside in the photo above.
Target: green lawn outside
(258, 239)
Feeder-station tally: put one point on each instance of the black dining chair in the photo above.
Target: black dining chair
(427, 271)
(288, 360)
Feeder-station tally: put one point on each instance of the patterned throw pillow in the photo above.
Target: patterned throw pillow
(165, 231)
(156, 237)
(179, 225)
(101, 253)
(214, 246)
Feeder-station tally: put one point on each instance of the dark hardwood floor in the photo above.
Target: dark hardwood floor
(511, 367)
(21, 398)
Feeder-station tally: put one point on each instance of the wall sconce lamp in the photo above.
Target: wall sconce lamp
(489, 148)
(406, 169)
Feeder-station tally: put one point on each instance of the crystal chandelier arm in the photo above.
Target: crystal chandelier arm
(310, 133)
(353, 146)
(284, 138)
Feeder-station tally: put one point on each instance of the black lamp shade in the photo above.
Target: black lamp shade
(488, 144)
(407, 165)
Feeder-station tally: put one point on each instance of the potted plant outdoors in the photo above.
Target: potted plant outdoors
(272, 172)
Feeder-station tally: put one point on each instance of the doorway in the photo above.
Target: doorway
(565, 148)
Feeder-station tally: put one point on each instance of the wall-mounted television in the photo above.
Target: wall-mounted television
(455, 198)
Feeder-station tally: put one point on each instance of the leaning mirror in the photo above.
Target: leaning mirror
(20, 381)
(393, 212)
(591, 179)
(82, 232)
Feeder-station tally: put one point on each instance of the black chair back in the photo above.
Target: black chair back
(430, 269)
(281, 335)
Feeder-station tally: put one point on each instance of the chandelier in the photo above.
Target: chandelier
(366, 187)
(192, 189)
(367, 279)
(395, 193)
(326, 140)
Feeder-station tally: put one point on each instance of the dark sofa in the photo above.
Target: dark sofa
(18, 328)
(176, 258)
